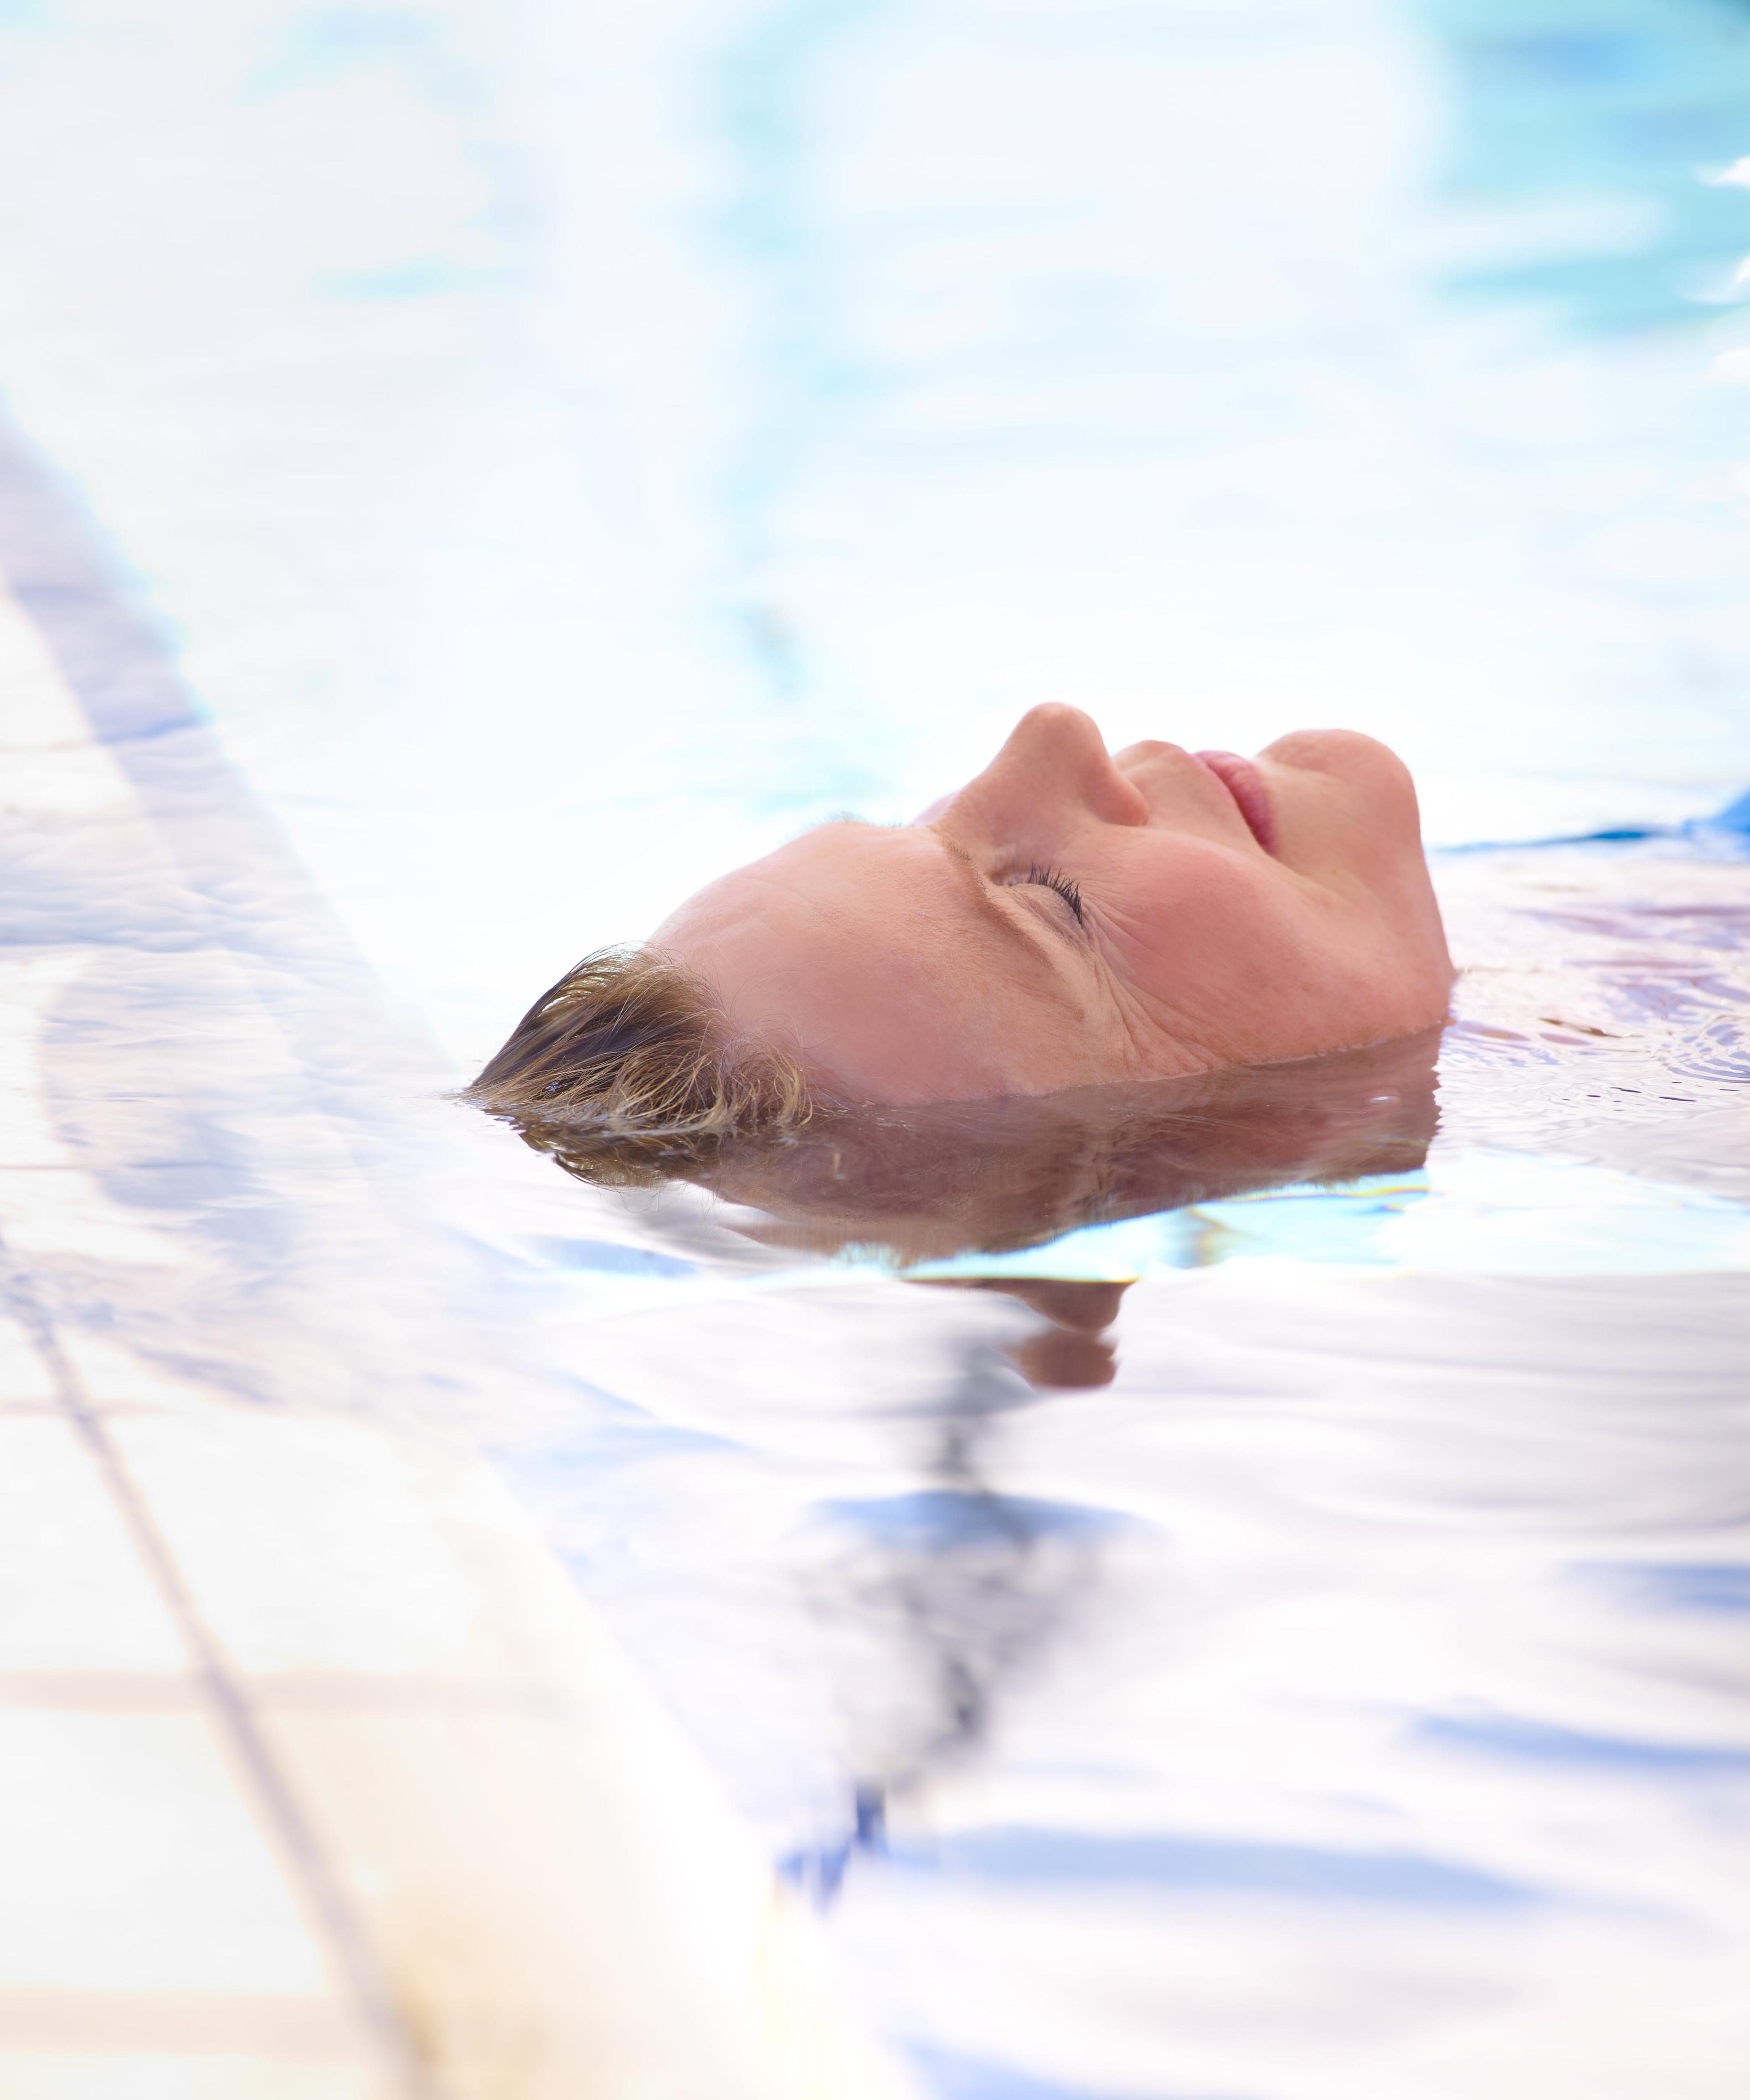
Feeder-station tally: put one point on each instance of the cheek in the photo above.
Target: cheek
(1194, 924)
(1248, 964)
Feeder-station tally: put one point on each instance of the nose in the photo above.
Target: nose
(1054, 764)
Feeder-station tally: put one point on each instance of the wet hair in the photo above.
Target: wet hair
(627, 1073)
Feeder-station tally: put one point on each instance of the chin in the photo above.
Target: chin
(1370, 772)
(1348, 752)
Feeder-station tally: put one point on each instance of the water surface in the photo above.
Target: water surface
(1292, 1637)
(1266, 1628)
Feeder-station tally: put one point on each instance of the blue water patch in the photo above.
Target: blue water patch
(1113, 1253)
(819, 1870)
(1184, 1865)
(608, 1258)
(1311, 1223)
(1735, 816)
(1723, 832)
(1305, 1222)
(584, 1493)
(321, 45)
(118, 660)
(1541, 1742)
(1676, 1586)
(429, 277)
(937, 1519)
(952, 2076)
(1619, 108)
(567, 1477)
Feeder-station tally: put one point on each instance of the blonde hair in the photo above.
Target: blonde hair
(626, 1073)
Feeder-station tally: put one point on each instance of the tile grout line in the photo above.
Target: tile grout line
(229, 1706)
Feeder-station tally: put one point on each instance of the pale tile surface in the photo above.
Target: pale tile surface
(154, 1942)
(111, 1375)
(29, 985)
(61, 1211)
(74, 1594)
(29, 2075)
(25, 1377)
(317, 1780)
(309, 1546)
(135, 1863)
(296, 2027)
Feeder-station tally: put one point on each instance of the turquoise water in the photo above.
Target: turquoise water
(484, 469)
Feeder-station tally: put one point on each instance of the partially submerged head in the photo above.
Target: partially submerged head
(1072, 918)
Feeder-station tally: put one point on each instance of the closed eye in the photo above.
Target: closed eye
(1051, 878)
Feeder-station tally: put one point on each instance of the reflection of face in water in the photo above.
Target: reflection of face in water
(1069, 1351)
(985, 1579)
(976, 1584)
(963, 1179)
(982, 1581)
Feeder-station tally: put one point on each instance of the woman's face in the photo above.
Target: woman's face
(1074, 917)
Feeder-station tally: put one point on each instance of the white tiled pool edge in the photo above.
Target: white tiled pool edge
(319, 1777)
(450, 1845)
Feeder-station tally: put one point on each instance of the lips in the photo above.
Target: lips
(1245, 784)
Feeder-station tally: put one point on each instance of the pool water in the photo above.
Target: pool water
(1325, 1676)
(484, 470)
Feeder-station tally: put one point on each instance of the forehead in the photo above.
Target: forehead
(908, 864)
(890, 881)
(884, 958)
